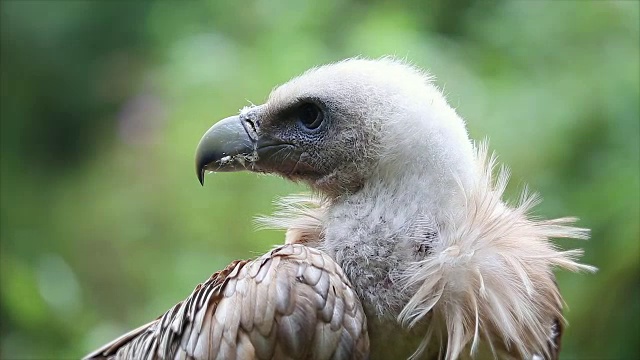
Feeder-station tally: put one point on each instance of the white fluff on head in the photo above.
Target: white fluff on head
(487, 275)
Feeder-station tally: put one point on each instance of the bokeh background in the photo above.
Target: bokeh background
(104, 225)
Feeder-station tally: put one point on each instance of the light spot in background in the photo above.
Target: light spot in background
(140, 119)
(208, 59)
(58, 284)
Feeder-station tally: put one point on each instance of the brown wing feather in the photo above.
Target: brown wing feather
(292, 303)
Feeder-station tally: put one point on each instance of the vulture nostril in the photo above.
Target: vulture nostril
(251, 128)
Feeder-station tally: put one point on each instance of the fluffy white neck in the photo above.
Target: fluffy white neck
(396, 219)
(374, 235)
(426, 158)
(482, 269)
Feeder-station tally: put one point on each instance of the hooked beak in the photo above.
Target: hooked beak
(237, 143)
(226, 146)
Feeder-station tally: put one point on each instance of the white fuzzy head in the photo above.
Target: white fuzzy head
(386, 120)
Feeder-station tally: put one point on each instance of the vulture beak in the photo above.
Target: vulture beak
(226, 146)
(236, 143)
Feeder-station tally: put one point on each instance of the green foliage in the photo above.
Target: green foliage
(104, 225)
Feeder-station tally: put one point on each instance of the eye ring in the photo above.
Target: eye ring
(310, 116)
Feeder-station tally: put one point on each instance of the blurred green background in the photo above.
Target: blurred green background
(104, 225)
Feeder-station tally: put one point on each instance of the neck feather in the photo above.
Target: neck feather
(481, 268)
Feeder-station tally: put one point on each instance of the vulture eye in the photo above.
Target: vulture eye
(310, 116)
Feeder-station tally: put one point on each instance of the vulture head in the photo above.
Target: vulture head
(407, 205)
(344, 126)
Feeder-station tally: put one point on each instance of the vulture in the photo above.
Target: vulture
(404, 249)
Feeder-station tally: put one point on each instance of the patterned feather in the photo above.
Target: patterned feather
(292, 303)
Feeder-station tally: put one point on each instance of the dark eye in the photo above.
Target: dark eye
(310, 116)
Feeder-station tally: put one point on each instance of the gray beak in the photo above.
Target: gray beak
(226, 146)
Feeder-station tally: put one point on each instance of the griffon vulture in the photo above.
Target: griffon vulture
(406, 248)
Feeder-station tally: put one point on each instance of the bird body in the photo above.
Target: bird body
(407, 215)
